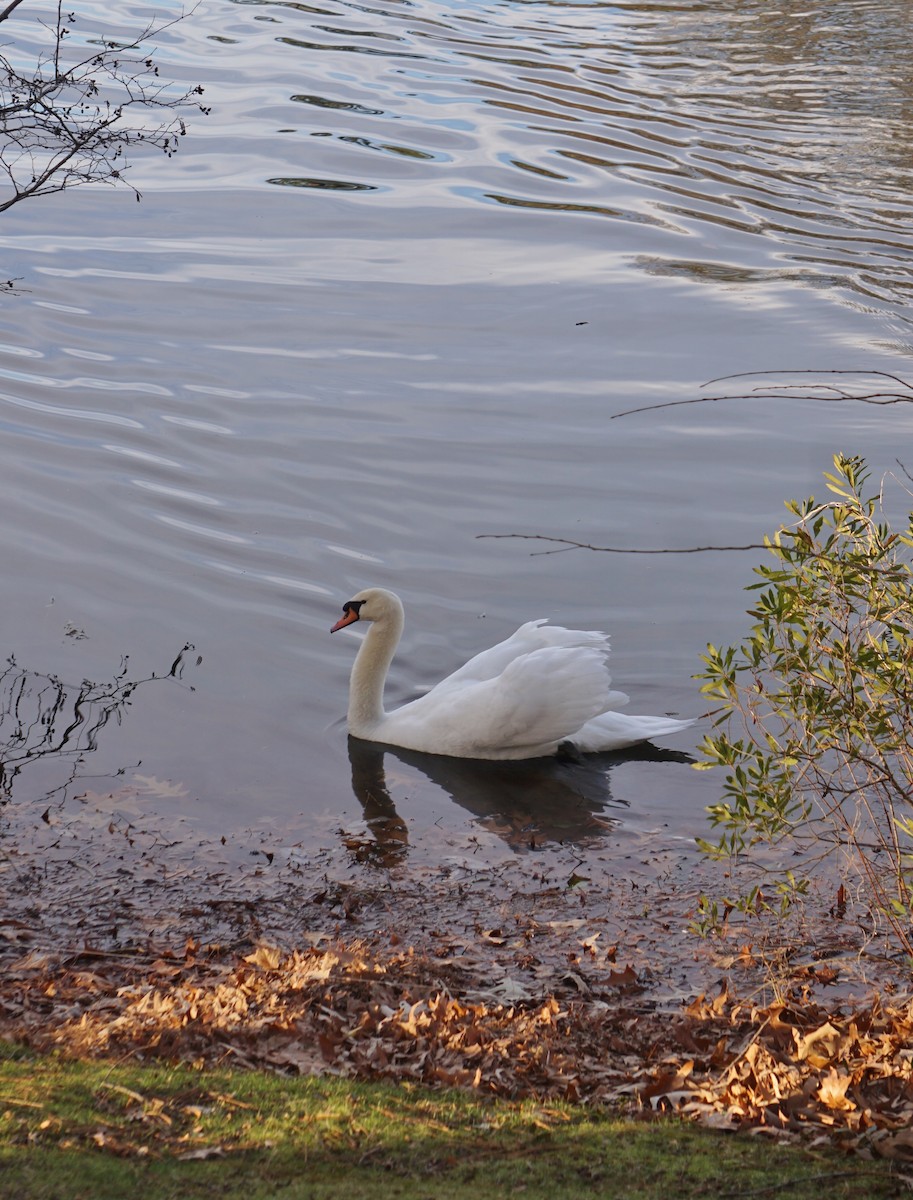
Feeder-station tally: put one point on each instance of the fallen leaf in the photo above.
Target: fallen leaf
(267, 958)
(832, 1090)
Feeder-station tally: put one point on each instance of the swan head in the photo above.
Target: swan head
(372, 604)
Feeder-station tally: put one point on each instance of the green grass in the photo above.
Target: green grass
(101, 1131)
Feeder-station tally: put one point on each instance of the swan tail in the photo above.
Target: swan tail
(615, 731)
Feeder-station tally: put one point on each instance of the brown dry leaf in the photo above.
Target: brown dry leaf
(368, 1007)
(723, 1121)
(771, 1017)
(820, 1046)
(827, 974)
(267, 958)
(667, 1081)
(718, 1005)
(578, 982)
(625, 978)
(35, 960)
(698, 1009)
(494, 936)
(832, 1090)
(896, 1145)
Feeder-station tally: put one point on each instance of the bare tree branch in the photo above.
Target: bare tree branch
(70, 120)
(564, 544)
(828, 393)
(818, 390)
(9, 8)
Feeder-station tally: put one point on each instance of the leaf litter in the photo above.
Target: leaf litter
(123, 933)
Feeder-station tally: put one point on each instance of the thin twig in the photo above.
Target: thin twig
(66, 126)
(813, 371)
(878, 399)
(568, 544)
(778, 391)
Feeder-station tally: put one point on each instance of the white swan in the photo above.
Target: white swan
(540, 689)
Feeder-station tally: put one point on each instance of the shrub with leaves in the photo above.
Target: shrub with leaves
(815, 724)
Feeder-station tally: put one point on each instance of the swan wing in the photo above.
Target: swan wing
(538, 700)
(534, 635)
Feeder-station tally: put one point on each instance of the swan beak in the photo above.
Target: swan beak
(351, 615)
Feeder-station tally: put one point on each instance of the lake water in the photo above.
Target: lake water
(388, 298)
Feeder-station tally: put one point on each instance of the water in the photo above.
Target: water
(388, 298)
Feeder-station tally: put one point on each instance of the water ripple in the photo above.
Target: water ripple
(80, 414)
(757, 120)
(387, 297)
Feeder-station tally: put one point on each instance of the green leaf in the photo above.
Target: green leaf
(814, 729)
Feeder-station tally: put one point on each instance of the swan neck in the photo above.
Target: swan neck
(369, 673)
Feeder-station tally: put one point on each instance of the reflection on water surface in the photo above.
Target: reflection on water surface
(527, 804)
(386, 299)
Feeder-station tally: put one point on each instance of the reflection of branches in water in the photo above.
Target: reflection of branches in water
(42, 717)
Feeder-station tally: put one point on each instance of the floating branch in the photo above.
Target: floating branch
(820, 389)
(564, 544)
(827, 393)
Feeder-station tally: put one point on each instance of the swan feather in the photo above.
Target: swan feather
(523, 698)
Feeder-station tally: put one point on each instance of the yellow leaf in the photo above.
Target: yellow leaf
(267, 958)
(832, 1090)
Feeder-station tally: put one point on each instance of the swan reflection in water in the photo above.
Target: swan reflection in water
(527, 803)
